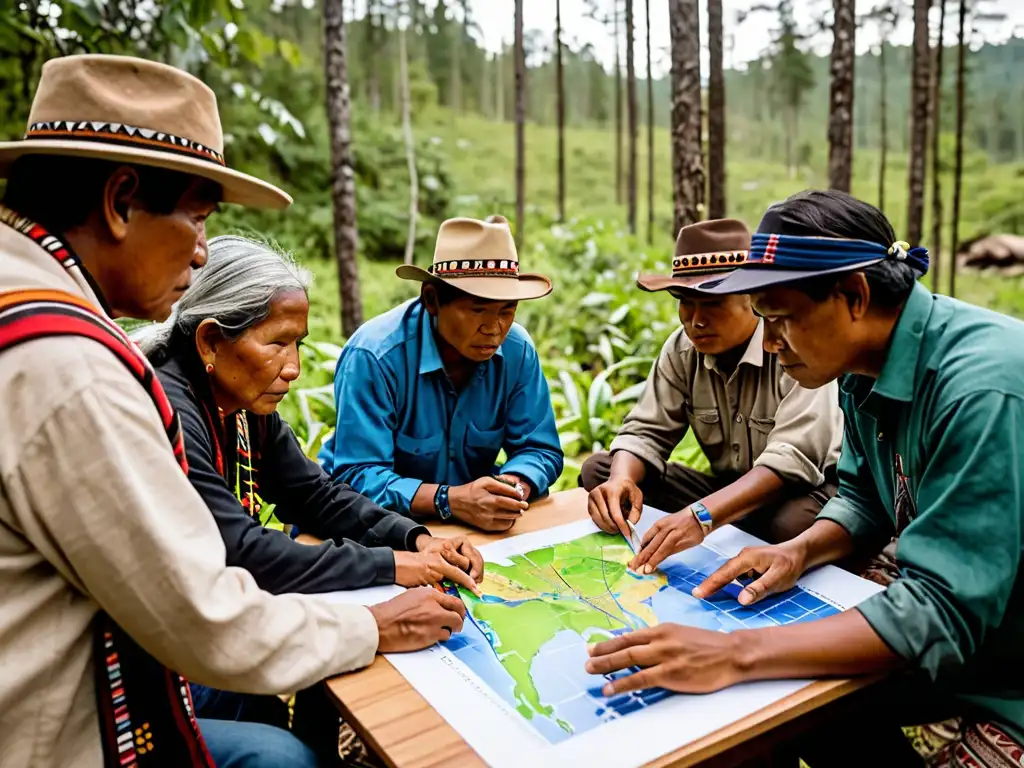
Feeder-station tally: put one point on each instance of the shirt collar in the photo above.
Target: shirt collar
(430, 355)
(752, 355)
(896, 382)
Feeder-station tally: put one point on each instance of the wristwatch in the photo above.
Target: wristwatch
(700, 512)
(441, 505)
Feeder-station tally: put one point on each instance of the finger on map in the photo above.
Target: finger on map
(461, 577)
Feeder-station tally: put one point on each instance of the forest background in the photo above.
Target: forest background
(384, 117)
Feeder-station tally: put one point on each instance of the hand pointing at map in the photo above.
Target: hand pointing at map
(614, 502)
(674, 657)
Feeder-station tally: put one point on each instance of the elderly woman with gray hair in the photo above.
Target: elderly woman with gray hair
(226, 358)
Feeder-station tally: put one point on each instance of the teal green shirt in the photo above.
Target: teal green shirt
(950, 402)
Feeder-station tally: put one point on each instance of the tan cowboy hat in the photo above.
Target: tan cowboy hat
(703, 250)
(131, 110)
(479, 258)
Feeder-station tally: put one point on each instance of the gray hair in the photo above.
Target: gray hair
(235, 289)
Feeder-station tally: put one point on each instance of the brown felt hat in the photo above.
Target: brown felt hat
(703, 250)
(479, 258)
(131, 110)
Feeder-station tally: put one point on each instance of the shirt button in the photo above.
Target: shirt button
(739, 419)
(881, 436)
(736, 447)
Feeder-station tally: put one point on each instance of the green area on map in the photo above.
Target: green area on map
(582, 586)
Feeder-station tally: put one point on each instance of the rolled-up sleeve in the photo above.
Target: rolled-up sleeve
(807, 433)
(658, 422)
(531, 437)
(364, 441)
(959, 557)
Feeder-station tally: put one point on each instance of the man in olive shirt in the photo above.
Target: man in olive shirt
(771, 443)
(934, 403)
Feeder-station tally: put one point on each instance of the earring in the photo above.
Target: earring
(209, 367)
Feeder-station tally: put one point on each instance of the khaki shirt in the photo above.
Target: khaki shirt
(96, 513)
(757, 417)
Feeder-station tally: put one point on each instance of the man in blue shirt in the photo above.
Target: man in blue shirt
(430, 392)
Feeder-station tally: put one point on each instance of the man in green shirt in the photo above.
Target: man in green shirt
(933, 397)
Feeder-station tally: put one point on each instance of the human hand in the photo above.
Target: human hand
(605, 505)
(414, 569)
(487, 504)
(775, 569)
(417, 619)
(457, 550)
(668, 535)
(514, 481)
(672, 656)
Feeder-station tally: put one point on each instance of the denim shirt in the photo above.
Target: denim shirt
(401, 423)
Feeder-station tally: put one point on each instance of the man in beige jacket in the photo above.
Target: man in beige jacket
(106, 201)
(772, 445)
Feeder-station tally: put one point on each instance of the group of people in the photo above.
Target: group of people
(849, 417)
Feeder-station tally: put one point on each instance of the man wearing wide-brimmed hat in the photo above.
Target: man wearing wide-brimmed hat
(772, 444)
(431, 392)
(111, 566)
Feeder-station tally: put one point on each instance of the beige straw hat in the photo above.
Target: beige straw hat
(479, 258)
(132, 110)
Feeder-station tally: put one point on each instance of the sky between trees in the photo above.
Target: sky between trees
(751, 37)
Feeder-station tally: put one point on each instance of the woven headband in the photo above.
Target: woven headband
(127, 135)
(820, 254)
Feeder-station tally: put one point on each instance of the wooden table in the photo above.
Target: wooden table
(406, 732)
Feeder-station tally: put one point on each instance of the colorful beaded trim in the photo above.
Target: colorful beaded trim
(475, 268)
(683, 264)
(119, 133)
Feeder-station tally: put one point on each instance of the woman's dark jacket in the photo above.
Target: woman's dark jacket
(363, 533)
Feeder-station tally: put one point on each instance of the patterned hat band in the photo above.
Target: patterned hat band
(127, 135)
(697, 262)
(475, 268)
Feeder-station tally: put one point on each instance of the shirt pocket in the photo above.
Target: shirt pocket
(417, 456)
(707, 426)
(482, 447)
(760, 429)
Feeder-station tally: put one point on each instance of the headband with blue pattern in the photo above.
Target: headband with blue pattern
(827, 253)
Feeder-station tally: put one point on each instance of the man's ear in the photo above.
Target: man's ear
(208, 337)
(855, 290)
(117, 201)
(428, 295)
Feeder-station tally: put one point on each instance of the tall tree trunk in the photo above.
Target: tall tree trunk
(560, 96)
(374, 34)
(840, 113)
(520, 62)
(687, 152)
(618, 104)
(631, 180)
(650, 131)
(343, 187)
(883, 108)
(716, 114)
(958, 171)
(919, 87)
(410, 147)
(936, 244)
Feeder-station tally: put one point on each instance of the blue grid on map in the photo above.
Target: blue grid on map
(726, 614)
(795, 605)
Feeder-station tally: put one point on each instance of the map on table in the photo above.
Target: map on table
(526, 638)
(512, 683)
